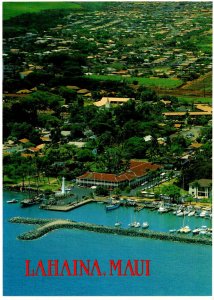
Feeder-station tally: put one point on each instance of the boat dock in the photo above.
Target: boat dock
(139, 207)
(47, 225)
(67, 207)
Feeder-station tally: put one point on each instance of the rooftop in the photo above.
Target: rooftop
(24, 141)
(136, 169)
(106, 100)
(203, 182)
(183, 113)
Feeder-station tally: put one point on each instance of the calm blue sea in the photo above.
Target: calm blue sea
(177, 269)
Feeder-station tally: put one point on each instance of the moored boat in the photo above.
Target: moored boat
(186, 212)
(117, 224)
(145, 225)
(162, 208)
(196, 231)
(209, 232)
(12, 201)
(180, 214)
(190, 214)
(112, 206)
(136, 224)
(28, 202)
(184, 229)
(203, 229)
(203, 213)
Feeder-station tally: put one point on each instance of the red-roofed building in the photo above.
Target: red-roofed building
(138, 173)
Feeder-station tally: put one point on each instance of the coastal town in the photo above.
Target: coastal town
(107, 148)
(111, 106)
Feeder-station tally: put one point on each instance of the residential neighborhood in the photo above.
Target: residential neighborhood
(107, 148)
(88, 88)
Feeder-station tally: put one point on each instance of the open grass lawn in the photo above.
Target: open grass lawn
(195, 99)
(165, 83)
(13, 9)
(157, 189)
(45, 184)
(8, 180)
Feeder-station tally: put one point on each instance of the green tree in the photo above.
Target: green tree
(171, 191)
(112, 160)
(85, 155)
(68, 94)
(135, 147)
(117, 192)
(101, 191)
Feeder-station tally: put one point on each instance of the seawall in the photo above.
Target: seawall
(47, 225)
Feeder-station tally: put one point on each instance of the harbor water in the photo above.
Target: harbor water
(176, 269)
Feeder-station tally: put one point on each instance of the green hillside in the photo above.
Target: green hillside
(13, 9)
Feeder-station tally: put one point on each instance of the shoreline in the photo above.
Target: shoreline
(47, 225)
(140, 202)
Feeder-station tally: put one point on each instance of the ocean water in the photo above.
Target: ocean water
(176, 269)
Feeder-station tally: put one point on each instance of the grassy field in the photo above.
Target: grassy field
(44, 184)
(13, 9)
(157, 189)
(195, 99)
(165, 83)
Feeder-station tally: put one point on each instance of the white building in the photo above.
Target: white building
(201, 188)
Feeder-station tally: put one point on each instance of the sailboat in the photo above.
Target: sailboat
(184, 229)
(162, 208)
(191, 213)
(117, 224)
(134, 224)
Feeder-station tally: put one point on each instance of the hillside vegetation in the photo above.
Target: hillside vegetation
(202, 83)
(13, 9)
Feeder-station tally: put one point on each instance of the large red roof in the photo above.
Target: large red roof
(137, 169)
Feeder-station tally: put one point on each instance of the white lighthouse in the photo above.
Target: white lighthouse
(63, 186)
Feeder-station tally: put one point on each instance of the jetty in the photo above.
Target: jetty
(67, 207)
(47, 225)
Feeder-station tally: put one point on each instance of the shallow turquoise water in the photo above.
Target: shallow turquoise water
(176, 268)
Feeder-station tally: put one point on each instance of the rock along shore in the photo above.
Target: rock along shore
(47, 225)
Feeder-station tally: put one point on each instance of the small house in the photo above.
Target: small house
(201, 188)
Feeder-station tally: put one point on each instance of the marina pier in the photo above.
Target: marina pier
(67, 207)
(47, 225)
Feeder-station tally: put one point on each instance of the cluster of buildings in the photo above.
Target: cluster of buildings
(199, 110)
(131, 39)
(141, 39)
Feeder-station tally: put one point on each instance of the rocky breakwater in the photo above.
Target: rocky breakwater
(47, 225)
